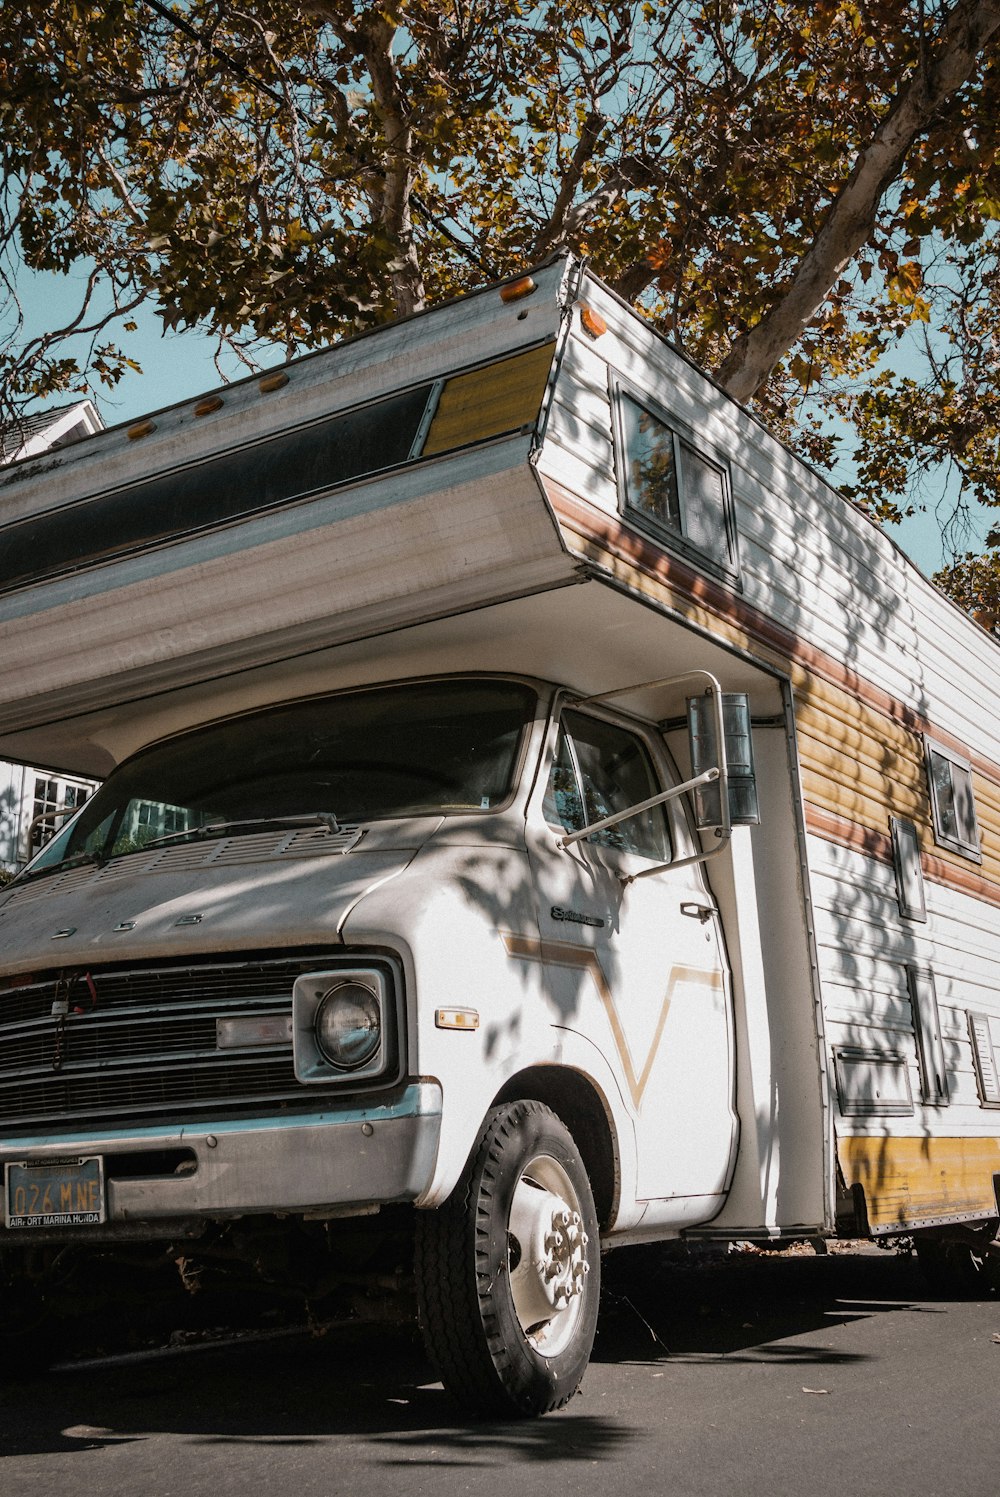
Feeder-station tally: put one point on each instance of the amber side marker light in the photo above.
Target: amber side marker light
(208, 405)
(456, 1018)
(140, 429)
(592, 322)
(515, 290)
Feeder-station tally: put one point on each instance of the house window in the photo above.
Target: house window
(952, 804)
(52, 802)
(673, 489)
(152, 819)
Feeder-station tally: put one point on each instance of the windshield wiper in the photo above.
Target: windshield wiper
(223, 828)
(75, 860)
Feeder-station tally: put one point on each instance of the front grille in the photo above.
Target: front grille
(145, 1050)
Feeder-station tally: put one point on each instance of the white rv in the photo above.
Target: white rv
(538, 815)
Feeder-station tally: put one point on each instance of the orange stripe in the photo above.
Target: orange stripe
(648, 557)
(847, 833)
(582, 958)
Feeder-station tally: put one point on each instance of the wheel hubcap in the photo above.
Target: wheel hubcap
(547, 1255)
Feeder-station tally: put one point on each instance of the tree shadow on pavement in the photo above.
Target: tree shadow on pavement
(371, 1382)
(744, 1306)
(374, 1383)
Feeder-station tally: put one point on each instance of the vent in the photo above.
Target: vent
(188, 857)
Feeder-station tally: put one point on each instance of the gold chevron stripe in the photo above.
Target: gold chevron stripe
(583, 959)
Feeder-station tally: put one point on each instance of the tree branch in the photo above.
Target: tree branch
(554, 231)
(852, 216)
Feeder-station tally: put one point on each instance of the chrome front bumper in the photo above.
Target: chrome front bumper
(351, 1157)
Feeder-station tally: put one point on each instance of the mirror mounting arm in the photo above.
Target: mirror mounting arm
(644, 805)
(723, 835)
(716, 772)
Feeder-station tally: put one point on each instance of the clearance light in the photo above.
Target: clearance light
(141, 429)
(592, 322)
(272, 382)
(456, 1018)
(515, 290)
(208, 405)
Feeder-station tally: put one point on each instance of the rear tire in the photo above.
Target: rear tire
(958, 1269)
(508, 1269)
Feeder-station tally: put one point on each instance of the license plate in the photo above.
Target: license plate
(56, 1193)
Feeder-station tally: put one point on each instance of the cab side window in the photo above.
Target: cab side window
(598, 770)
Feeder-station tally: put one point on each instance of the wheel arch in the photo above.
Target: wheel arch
(577, 1102)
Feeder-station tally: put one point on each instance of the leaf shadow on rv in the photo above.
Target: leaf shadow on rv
(888, 669)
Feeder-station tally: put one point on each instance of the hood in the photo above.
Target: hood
(253, 892)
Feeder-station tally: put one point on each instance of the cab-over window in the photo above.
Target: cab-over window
(670, 487)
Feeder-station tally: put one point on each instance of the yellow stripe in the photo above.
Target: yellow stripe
(911, 1180)
(859, 764)
(488, 402)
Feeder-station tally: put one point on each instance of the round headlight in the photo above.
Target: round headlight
(349, 1025)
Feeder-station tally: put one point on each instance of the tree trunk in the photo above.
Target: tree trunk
(851, 219)
(376, 39)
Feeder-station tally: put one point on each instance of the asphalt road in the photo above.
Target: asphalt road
(807, 1375)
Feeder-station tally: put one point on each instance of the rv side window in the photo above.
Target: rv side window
(909, 872)
(600, 769)
(671, 488)
(952, 804)
(927, 1028)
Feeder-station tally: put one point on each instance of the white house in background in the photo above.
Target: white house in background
(40, 432)
(33, 804)
(33, 801)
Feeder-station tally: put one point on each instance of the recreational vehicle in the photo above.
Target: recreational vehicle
(538, 816)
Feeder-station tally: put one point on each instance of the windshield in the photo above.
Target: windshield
(409, 750)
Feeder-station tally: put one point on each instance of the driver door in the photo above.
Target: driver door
(638, 967)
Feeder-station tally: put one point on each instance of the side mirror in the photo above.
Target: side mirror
(735, 763)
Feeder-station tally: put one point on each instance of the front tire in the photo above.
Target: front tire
(508, 1269)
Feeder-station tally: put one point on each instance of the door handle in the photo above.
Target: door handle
(700, 912)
